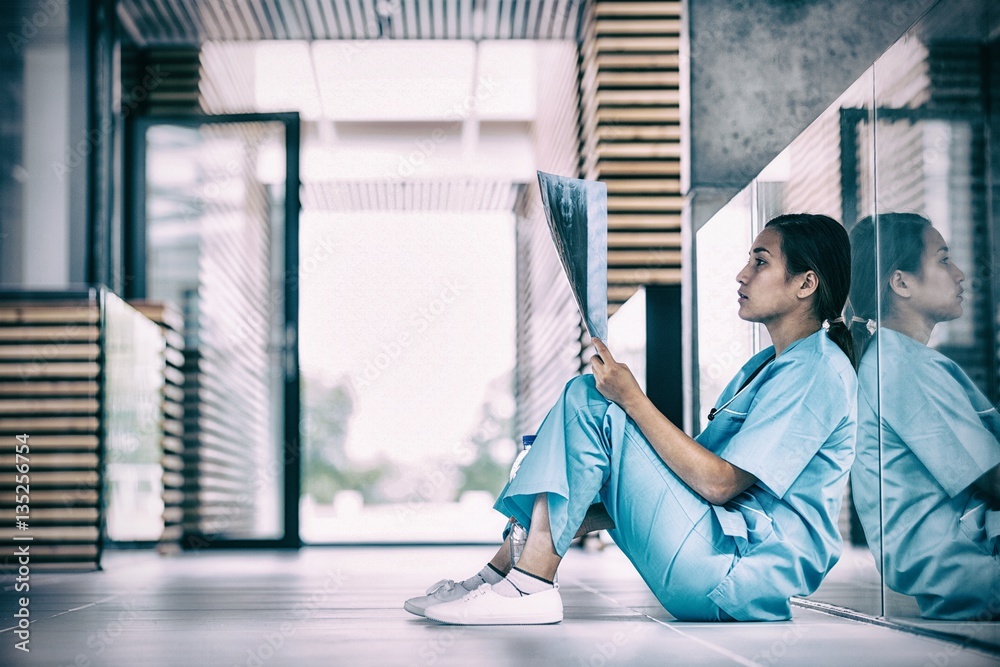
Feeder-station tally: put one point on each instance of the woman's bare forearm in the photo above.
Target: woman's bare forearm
(713, 478)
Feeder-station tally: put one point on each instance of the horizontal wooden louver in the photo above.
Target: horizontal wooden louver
(172, 420)
(161, 81)
(630, 137)
(50, 367)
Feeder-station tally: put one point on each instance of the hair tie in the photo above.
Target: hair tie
(827, 323)
(870, 325)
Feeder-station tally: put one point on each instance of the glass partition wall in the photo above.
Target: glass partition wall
(907, 159)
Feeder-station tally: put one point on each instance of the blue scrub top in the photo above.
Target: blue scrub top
(793, 427)
(939, 434)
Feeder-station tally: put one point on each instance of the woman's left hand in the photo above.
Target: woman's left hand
(614, 380)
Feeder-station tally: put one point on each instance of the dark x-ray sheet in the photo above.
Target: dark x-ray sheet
(577, 213)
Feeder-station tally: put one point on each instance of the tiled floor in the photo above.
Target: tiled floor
(342, 606)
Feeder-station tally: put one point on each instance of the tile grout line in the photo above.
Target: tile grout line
(735, 657)
(62, 613)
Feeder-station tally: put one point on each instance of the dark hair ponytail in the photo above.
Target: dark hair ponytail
(900, 246)
(820, 244)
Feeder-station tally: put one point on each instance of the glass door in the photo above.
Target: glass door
(214, 212)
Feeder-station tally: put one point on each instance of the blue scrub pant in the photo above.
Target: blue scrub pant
(586, 450)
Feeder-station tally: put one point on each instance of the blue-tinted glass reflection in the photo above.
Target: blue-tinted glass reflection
(939, 450)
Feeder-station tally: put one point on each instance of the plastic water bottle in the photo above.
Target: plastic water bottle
(526, 442)
(518, 535)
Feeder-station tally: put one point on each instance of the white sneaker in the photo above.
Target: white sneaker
(484, 606)
(445, 590)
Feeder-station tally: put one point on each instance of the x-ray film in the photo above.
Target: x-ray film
(577, 213)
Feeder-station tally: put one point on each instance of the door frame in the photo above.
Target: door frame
(134, 259)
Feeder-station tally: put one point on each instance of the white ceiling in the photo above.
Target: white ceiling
(394, 125)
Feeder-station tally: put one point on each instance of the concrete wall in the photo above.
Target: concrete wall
(759, 71)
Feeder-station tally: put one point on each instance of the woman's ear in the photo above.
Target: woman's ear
(808, 284)
(899, 285)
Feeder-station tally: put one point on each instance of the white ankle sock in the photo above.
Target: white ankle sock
(518, 583)
(487, 575)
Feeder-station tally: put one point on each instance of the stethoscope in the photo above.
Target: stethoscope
(746, 383)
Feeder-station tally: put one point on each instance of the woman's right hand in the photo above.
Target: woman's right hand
(614, 380)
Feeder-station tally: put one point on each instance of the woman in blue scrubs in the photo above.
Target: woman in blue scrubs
(727, 526)
(934, 528)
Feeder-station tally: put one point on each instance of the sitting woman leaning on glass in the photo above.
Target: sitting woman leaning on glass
(926, 481)
(727, 526)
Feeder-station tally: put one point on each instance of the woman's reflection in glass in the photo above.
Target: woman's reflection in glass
(935, 533)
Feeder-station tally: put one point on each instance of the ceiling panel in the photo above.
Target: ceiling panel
(192, 22)
(410, 195)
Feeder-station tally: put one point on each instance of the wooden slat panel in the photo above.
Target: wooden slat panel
(14, 313)
(638, 27)
(641, 186)
(46, 461)
(44, 479)
(612, 151)
(77, 497)
(173, 444)
(643, 240)
(42, 405)
(173, 409)
(644, 276)
(26, 424)
(52, 534)
(630, 136)
(638, 97)
(173, 393)
(633, 221)
(173, 463)
(48, 388)
(174, 515)
(643, 257)
(62, 334)
(171, 323)
(620, 294)
(51, 369)
(52, 514)
(633, 44)
(624, 8)
(639, 167)
(62, 552)
(617, 115)
(629, 79)
(623, 204)
(55, 442)
(637, 133)
(631, 61)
